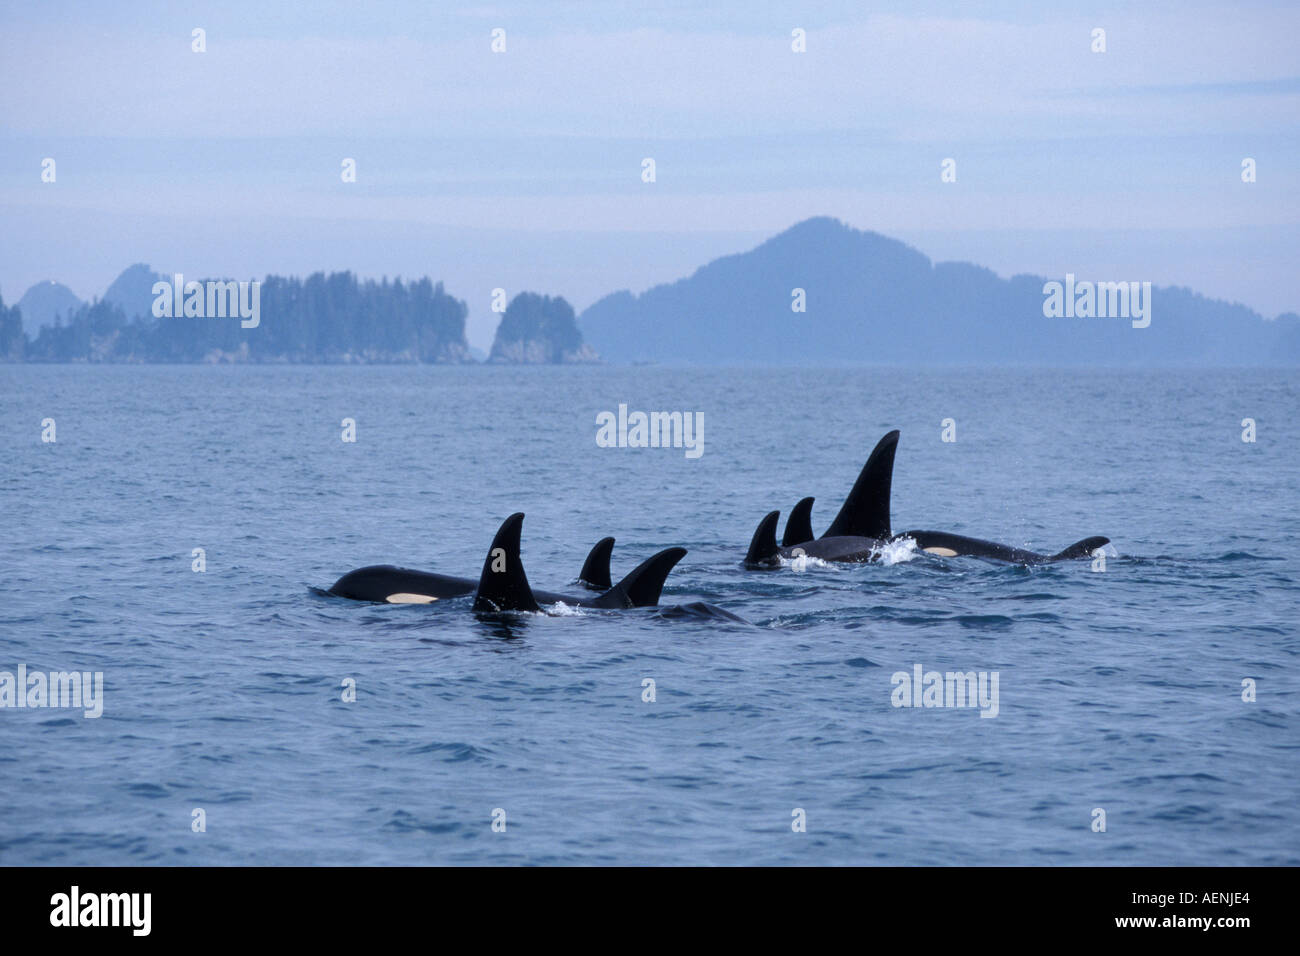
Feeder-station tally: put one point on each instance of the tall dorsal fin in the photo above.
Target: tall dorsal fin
(644, 584)
(762, 547)
(503, 586)
(798, 527)
(595, 570)
(865, 512)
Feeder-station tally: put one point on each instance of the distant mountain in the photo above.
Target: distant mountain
(871, 299)
(538, 329)
(132, 291)
(44, 302)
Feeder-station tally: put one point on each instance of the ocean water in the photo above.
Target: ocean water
(1119, 689)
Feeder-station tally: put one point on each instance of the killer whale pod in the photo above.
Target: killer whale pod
(387, 584)
(863, 526)
(503, 583)
(858, 532)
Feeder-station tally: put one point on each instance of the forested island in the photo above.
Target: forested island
(325, 319)
(539, 329)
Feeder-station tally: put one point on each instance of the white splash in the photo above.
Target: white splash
(804, 563)
(894, 551)
(897, 551)
(560, 609)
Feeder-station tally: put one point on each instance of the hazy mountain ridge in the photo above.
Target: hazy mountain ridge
(873, 299)
(132, 291)
(45, 303)
(867, 299)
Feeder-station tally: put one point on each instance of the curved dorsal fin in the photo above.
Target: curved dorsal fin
(865, 512)
(503, 586)
(595, 570)
(1081, 549)
(644, 584)
(762, 547)
(798, 527)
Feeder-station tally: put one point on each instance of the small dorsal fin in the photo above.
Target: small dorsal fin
(644, 584)
(1081, 549)
(762, 547)
(865, 512)
(798, 527)
(503, 586)
(595, 570)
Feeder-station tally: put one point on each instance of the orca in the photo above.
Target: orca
(947, 545)
(700, 611)
(595, 570)
(503, 584)
(595, 576)
(386, 584)
(863, 528)
(798, 527)
(858, 532)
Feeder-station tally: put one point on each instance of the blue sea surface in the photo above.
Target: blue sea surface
(1119, 689)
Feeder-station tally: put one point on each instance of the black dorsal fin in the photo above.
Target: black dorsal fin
(644, 584)
(798, 527)
(503, 586)
(762, 547)
(865, 512)
(595, 570)
(1081, 549)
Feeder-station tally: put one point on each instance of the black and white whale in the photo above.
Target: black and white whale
(700, 611)
(595, 570)
(859, 531)
(862, 529)
(947, 545)
(503, 584)
(386, 584)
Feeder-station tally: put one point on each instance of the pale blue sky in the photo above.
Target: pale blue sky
(522, 169)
